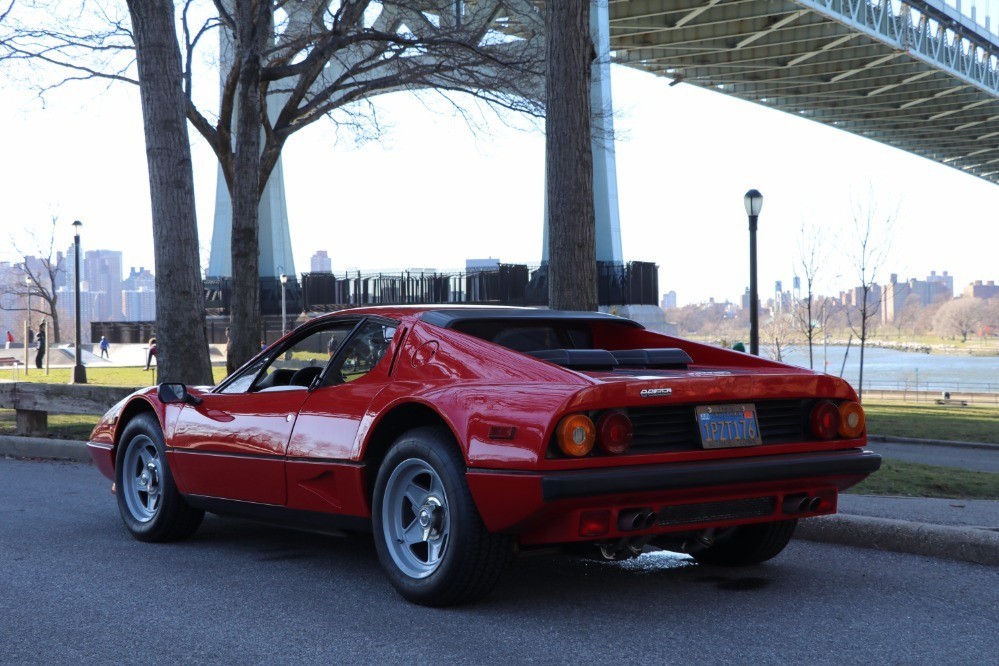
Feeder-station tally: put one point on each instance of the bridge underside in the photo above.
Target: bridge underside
(921, 80)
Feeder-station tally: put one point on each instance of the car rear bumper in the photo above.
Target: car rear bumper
(550, 507)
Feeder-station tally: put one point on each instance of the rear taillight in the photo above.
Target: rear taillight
(576, 435)
(614, 433)
(825, 420)
(851, 420)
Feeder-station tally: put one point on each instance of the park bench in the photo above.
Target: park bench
(33, 402)
(952, 401)
(12, 363)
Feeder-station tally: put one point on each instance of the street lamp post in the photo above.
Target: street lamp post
(754, 202)
(284, 310)
(79, 371)
(27, 324)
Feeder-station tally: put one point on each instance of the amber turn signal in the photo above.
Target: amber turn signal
(576, 435)
(851, 420)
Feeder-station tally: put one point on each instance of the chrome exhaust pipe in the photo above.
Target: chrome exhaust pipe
(814, 504)
(631, 520)
(795, 504)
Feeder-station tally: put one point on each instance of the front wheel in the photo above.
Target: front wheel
(749, 544)
(428, 534)
(150, 505)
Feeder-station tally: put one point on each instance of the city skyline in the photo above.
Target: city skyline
(432, 193)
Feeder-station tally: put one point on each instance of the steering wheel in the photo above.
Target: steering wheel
(305, 376)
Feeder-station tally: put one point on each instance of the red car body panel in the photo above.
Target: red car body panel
(313, 450)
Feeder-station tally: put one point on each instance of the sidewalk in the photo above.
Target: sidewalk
(965, 530)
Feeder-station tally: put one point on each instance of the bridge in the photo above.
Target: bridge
(917, 75)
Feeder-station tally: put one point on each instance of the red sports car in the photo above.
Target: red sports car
(460, 435)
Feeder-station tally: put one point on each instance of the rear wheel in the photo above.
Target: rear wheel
(150, 505)
(749, 544)
(429, 536)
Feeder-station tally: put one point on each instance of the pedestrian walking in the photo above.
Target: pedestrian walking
(105, 346)
(150, 352)
(10, 339)
(40, 339)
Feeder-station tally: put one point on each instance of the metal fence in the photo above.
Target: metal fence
(634, 283)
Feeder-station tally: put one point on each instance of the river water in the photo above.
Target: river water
(897, 370)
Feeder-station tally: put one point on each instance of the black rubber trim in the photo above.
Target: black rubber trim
(587, 483)
(280, 516)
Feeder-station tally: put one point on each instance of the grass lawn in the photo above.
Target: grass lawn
(926, 420)
(917, 480)
(135, 377)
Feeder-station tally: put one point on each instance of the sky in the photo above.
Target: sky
(432, 192)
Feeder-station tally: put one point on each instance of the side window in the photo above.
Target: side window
(302, 362)
(362, 353)
(295, 365)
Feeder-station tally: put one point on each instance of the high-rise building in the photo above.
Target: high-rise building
(139, 279)
(669, 300)
(138, 304)
(321, 262)
(978, 289)
(102, 274)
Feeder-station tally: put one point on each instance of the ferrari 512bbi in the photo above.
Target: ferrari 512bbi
(460, 436)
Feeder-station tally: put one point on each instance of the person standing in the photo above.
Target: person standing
(105, 346)
(10, 339)
(150, 352)
(40, 339)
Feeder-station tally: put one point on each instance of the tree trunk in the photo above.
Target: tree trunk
(252, 24)
(182, 341)
(572, 263)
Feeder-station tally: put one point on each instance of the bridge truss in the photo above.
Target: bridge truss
(917, 75)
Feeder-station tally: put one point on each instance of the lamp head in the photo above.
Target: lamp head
(754, 202)
(76, 228)
(284, 279)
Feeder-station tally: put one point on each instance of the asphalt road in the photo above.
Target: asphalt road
(76, 588)
(982, 460)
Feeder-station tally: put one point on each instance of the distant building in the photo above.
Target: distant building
(321, 262)
(935, 288)
(745, 301)
(669, 300)
(102, 273)
(139, 279)
(480, 265)
(139, 304)
(978, 290)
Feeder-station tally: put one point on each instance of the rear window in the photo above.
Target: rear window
(528, 336)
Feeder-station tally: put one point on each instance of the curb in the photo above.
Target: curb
(45, 449)
(965, 544)
(933, 442)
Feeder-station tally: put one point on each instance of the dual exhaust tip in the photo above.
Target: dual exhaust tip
(631, 520)
(801, 504)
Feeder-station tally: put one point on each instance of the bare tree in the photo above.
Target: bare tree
(182, 341)
(777, 333)
(961, 316)
(37, 277)
(286, 65)
(872, 242)
(811, 257)
(569, 53)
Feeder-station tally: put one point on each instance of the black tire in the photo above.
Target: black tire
(749, 544)
(451, 558)
(150, 505)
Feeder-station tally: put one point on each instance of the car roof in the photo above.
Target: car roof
(447, 316)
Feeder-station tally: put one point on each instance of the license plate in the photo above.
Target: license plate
(728, 426)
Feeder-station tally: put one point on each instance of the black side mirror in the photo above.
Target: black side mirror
(175, 393)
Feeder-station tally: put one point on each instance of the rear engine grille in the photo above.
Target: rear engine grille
(685, 514)
(665, 429)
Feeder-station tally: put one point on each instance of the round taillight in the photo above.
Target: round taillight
(851, 420)
(576, 435)
(825, 420)
(615, 432)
